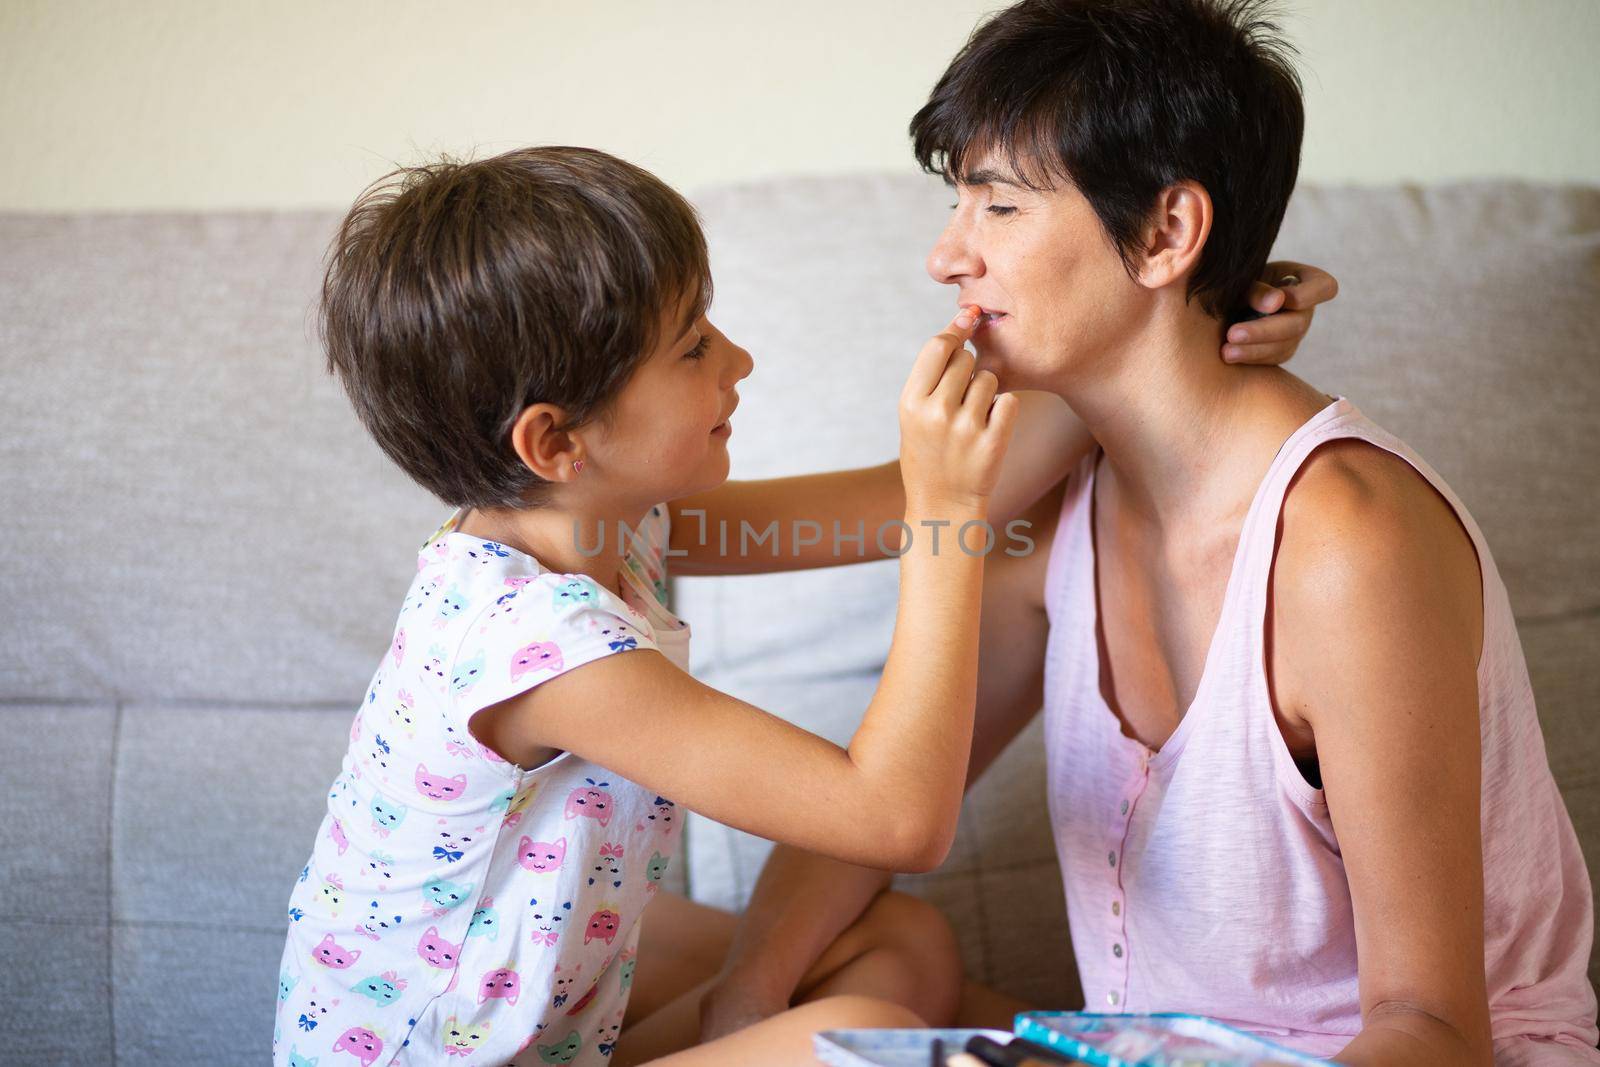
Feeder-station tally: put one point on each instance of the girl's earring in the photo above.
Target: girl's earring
(577, 466)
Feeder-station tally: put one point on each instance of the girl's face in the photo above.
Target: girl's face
(666, 435)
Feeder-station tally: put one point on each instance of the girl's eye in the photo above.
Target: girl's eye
(1001, 210)
(699, 349)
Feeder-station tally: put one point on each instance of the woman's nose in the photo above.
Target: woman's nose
(952, 257)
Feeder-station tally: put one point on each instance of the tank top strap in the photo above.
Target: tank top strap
(1071, 547)
(1258, 539)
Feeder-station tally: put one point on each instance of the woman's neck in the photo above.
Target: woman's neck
(1179, 427)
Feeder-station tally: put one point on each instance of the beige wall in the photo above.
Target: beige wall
(290, 103)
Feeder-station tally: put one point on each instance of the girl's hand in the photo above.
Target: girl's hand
(1286, 308)
(953, 429)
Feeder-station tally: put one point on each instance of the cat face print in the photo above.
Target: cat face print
(386, 815)
(538, 656)
(433, 666)
(438, 786)
(330, 953)
(402, 713)
(382, 989)
(485, 921)
(376, 924)
(463, 1039)
(361, 1043)
(451, 847)
(602, 926)
(467, 673)
(502, 983)
(574, 592)
(563, 985)
(548, 920)
(590, 802)
(451, 604)
(563, 1052)
(655, 870)
(446, 894)
(541, 857)
(607, 868)
(436, 951)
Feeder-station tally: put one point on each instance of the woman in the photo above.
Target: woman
(1296, 775)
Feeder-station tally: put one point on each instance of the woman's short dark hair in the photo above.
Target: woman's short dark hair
(459, 293)
(1125, 98)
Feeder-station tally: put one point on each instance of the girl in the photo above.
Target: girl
(507, 805)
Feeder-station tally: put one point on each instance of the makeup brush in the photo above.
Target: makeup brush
(1019, 1052)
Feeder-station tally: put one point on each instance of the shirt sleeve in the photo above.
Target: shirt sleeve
(561, 622)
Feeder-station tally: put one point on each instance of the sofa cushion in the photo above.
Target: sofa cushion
(204, 518)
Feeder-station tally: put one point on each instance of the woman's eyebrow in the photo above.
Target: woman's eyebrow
(989, 176)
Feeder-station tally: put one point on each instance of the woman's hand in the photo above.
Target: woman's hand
(1286, 307)
(953, 428)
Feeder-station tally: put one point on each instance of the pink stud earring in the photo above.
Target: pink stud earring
(577, 466)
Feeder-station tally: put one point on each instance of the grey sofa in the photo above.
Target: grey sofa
(206, 556)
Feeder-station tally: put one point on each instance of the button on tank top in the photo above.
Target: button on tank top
(1206, 876)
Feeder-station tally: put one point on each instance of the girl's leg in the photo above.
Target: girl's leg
(681, 945)
(785, 1039)
(901, 954)
(984, 1008)
(901, 950)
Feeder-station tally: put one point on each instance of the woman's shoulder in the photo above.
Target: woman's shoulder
(1371, 557)
(1355, 506)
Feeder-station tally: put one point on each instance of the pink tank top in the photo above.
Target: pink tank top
(1206, 877)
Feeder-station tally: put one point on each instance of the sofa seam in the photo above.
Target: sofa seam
(111, 876)
(1569, 615)
(164, 924)
(180, 703)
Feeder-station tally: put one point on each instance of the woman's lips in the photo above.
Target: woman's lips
(987, 317)
(722, 429)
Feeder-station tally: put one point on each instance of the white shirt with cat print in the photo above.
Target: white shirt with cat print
(456, 908)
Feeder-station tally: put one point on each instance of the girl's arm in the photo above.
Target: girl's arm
(890, 798)
(1376, 630)
(1049, 441)
(803, 902)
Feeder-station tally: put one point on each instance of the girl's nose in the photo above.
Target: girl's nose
(740, 364)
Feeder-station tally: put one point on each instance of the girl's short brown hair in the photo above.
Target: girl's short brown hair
(459, 293)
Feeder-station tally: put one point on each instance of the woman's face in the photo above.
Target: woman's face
(666, 435)
(1041, 261)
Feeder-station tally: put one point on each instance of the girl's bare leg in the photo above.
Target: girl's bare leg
(984, 1008)
(900, 955)
(682, 945)
(786, 1039)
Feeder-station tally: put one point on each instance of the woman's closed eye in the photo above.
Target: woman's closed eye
(699, 348)
(1000, 210)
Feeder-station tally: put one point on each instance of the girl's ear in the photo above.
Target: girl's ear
(1177, 234)
(545, 449)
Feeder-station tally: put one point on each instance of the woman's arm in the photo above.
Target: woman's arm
(1048, 443)
(1376, 630)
